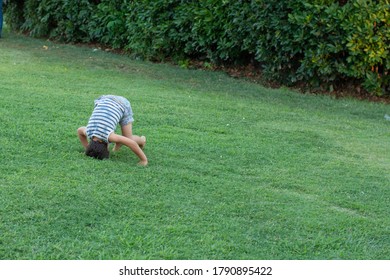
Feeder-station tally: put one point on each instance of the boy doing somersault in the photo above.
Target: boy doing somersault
(109, 111)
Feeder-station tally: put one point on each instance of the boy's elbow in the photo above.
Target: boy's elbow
(81, 130)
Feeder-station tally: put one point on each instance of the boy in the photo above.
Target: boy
(108, 112)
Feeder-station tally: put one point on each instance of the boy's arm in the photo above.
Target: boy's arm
(131, 144)
(81, 132)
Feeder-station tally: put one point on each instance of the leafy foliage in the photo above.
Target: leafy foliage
(321, 42)
(107, 24)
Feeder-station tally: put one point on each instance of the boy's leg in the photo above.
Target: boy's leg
(127, 131)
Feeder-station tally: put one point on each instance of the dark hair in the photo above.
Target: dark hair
(97, 149)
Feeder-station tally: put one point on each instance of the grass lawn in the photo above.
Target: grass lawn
(236, 170)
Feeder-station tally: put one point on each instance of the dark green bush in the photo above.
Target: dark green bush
(367, 28)
(64, 19)
(338, 43)
(15, 11)
(107, 24)
(319, 42)
(154, 29)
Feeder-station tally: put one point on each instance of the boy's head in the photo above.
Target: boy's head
(97, 149)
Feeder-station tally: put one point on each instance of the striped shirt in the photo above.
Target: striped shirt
(108, 112)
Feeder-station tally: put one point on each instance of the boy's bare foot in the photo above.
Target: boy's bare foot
(142, 146)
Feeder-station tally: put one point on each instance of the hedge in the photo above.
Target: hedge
(320, 42)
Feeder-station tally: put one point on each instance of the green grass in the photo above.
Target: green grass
(236, 170)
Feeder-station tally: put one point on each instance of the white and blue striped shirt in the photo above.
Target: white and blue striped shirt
(108, 112)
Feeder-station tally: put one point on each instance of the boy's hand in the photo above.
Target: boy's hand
(117, 146)
(143, 163)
